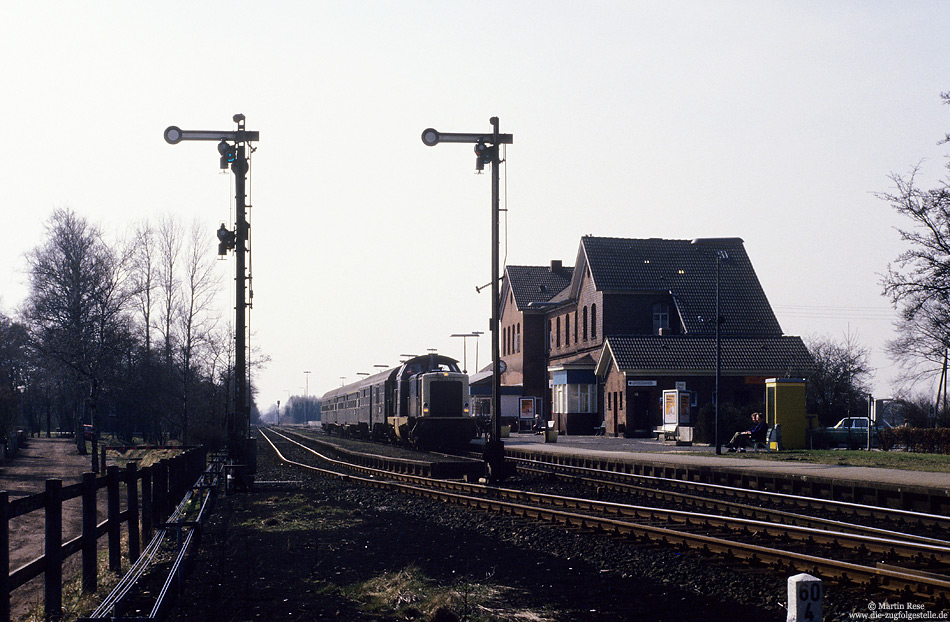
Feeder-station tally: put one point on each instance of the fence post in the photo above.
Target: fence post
(53, 596)
(113, 526)
(132, 505)
(178, 490)
(160, 491)
(4, 555)
(90, 570)
(147, 502)
(172, 488)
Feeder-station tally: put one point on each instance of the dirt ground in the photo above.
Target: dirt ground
(39, 460)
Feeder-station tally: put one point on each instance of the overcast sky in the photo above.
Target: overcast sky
(776, 122)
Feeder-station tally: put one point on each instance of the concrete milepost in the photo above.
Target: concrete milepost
(804, 598)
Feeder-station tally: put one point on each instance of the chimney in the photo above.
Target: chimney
(555, 265)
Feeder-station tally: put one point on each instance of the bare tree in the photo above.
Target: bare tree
(77, 303)
(145, 278)
(14, 375)
(169, 250)
(838, 386)
(196, 318)
(918, 281)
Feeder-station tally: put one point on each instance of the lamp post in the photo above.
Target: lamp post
(465, 337)
(232, 147)
(278, 412)
(486, 152)
(721, 256)
(21, 389)
(306, 398)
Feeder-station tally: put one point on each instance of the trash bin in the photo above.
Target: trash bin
(550, 435)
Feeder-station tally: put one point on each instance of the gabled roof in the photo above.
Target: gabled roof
(762, 356)
(536, 284)
(687, 270)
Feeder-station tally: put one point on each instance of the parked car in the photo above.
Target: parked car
(851, 432)
(87, 432)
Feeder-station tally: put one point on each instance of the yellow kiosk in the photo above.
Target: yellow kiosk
(785, 411)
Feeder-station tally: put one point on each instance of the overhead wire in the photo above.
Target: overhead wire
(836, 312)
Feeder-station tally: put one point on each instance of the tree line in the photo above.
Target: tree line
(119, 334)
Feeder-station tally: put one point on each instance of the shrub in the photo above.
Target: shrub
(920, 440)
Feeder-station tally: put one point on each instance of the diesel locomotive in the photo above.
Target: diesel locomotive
(422, 403)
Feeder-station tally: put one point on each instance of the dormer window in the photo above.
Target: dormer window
(661, 317)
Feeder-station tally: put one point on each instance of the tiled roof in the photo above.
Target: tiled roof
(763, 356)
(537, 283)
(686, 269)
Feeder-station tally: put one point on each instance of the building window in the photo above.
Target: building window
(585, 323)
(593, 321)
(661, 317)
(567, 329)
(518, 338)
(575, 327)
(550, 336)
(558, 331)
(575, 398)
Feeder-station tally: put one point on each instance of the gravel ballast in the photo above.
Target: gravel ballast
(334, 549)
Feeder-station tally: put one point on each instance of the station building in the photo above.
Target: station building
(593, 346)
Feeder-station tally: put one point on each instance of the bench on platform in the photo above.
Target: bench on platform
(773, 435)
(600, 431)
(668, 432)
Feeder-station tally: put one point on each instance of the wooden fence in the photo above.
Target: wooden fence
(151, 494)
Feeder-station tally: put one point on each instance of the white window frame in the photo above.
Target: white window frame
(575, 398)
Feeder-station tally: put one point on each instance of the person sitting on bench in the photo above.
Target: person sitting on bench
(755, 434)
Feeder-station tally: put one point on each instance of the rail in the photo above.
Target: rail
(692, 530)
(176, 537)
(149, 493)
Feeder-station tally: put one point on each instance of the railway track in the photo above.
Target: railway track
(701, 493)
(902, 564)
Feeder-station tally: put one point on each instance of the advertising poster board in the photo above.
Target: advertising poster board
(669, 407)
(684, 400)
(527, 408)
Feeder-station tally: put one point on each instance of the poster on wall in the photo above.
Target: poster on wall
(669, 408)
(527, 408)
(685, 399)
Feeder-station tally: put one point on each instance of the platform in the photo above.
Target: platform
(923, 490)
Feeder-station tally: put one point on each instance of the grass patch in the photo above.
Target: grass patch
(894, 459)
(409, 594)
(296, 513)
(76, 602)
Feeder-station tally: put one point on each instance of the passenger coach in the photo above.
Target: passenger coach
(423, 402)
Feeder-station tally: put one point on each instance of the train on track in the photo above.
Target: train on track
(423, 403)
